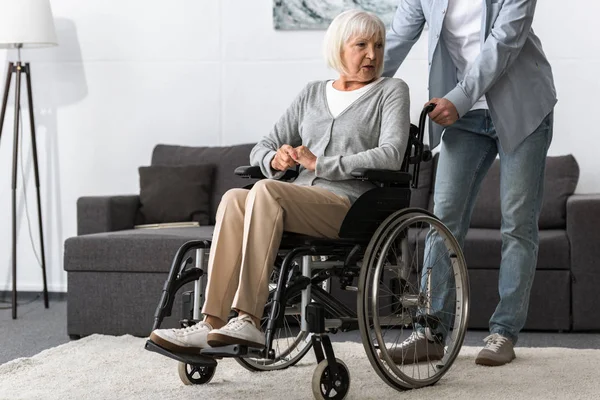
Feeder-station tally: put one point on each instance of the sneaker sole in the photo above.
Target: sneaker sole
(490, 362)
(165, 344)
(218, 340)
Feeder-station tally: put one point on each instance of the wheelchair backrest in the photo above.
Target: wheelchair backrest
(371, 209)
(374, 206)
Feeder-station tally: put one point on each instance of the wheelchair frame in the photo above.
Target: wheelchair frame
(391, 194)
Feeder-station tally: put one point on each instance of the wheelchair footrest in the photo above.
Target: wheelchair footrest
(234, 350)
(191, 359)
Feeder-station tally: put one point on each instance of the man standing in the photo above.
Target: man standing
(494, 95)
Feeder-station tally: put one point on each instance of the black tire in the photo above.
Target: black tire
(195, 375)
(385, 311)
(323, 388)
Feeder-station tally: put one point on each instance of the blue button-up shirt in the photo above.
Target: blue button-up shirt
(511, 71)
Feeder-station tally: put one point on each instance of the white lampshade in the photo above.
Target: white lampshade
(27, 24)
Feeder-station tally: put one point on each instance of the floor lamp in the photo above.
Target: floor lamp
(24, 24)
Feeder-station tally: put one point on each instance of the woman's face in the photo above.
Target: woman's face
(362, 58)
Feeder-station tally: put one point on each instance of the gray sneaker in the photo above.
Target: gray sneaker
(498, 350)
(417, 348)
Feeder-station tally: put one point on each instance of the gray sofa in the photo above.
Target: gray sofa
(116, 273)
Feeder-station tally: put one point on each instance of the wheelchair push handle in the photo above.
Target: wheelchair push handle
(421, 132)
(427, 156)
(420, 154)
(426, 110)
(429, 108)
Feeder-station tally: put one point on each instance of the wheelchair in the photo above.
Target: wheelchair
(381, 255)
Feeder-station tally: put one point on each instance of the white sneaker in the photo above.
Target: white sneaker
(240, 330)
(185, 340)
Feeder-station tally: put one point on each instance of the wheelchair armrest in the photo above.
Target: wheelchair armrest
(249, 172)
(382, 175)
(254, 172)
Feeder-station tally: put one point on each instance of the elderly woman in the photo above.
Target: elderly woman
(332, 127)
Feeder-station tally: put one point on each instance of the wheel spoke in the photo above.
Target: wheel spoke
(289, 343)
(428, 303)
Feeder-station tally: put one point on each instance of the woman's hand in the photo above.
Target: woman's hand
(303, 156)
(283, 159)
(444, 113)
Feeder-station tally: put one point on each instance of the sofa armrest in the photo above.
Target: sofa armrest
(583, 220)
(106, 213)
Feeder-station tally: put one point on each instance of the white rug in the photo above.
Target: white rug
(108, 367)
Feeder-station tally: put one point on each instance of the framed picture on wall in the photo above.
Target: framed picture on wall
(318, 14)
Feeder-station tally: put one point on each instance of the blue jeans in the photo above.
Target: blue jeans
(468, 149)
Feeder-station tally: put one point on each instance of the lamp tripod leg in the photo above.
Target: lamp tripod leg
(37, 178)
(9, 73)
(14, 190)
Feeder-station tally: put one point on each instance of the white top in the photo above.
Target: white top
(462, 34)
(339, 100)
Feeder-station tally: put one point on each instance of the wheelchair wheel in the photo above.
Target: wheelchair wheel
(322, 385)
(195, 375)
(410, 293)
(289, 342)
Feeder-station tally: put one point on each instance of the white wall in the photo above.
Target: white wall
(130, 74)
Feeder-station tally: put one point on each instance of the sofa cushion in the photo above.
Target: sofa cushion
(483, 248)
(176, 193)
(549, 303)
(562, 174)
(225, 160)
(134, 250)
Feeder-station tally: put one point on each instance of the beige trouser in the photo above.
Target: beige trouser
(247, 235)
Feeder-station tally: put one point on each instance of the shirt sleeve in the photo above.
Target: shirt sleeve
(501, 48)
(285, 131)
(393, 139)
(404, 31)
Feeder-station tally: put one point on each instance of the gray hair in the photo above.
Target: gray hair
(345, 26)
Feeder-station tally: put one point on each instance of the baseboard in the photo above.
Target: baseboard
(6, 296)
(34, 287)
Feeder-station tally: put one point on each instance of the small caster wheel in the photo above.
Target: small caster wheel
(195, 375)
(322, 385)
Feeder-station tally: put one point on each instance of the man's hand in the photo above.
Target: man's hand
(283, 159)
(303, 156)
(444, 112)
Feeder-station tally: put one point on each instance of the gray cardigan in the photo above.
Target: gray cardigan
(370, 133)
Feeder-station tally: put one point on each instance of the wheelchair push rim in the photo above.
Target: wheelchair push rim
(388, 315)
